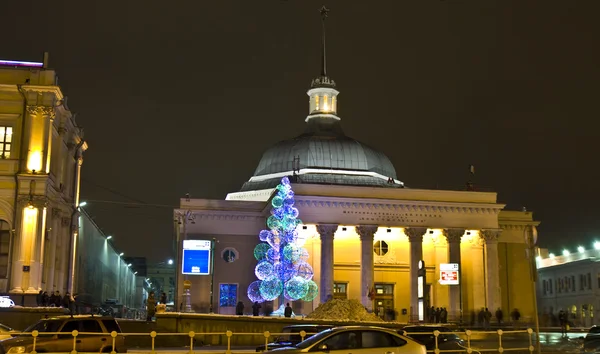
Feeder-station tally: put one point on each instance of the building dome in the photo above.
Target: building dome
(323, 155)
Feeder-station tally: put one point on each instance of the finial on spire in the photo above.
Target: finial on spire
(324, 12)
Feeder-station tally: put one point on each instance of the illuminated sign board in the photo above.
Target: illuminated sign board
(27, 64)
(420, 287)
(5, 301)
(196, 257)
(449, 274)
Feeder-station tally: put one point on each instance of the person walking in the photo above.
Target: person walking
(515, 315)
(487, 316)
(288, 310)
(150, 307)
(239, 308)
(255, 307)
(499, 316)
(564, 322)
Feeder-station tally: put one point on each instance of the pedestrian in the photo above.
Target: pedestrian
(45, 299)
(38, 298)
(437, 315)
(150, 306)
(163, 298)
(443, 315)
(255, 307)
(432, 315)
(487, 316)
(57, 299)
(288, 310)
(499, 316)
(65, 301)
(564, 322)
(481, 317)
(515, 315)
(239, 309)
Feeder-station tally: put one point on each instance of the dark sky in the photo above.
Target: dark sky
(184, 96)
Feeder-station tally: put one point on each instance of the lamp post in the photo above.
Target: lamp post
(531, 239)
(212, 273)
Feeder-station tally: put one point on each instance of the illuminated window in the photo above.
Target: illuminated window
(333, 103)
(340, 290)
(229, 255)
(316, 103)
(325, 103)
(380, 248)
(4, 246)
(5, 141)
(227, 295)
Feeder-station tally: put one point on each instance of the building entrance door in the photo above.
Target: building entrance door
(384, 301)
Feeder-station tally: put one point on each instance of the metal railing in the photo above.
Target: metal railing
(468, 334)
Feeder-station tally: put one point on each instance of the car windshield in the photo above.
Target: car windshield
(314, 339)
(293, 334)
(45, 326)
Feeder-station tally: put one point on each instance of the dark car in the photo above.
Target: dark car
(447, 339)
(293, 338)
(591, 342)
(63, 340)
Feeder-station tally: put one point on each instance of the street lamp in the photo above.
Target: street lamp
(170, 261)
(108, 237)
(82, 204)
(531, 239)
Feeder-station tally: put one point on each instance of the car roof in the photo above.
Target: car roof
(308, 325)
(78, 317)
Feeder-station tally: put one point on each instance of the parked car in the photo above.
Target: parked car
(591, 342)
(447, 339)
(359, 339)
(6, 332)
(52, 343)
(293, 338)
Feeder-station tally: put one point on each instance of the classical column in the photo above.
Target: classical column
(492, 269)
(326, 233)
(415, 237)
(453, 237)
(367, 273)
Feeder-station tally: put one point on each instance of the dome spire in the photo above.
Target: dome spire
(324, 11)
(322, 93)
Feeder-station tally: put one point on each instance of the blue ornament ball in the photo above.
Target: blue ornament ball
(305, 270)
(288, 201)
(285, 181)
(313, 291)
(264, 235)
(264, 270)
(296, 287)
(271, 288)
(254, 292)
(273, 255)
(260, 251)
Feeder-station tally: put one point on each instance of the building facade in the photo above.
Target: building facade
(41, 149)
(366, 232)
(571, 283)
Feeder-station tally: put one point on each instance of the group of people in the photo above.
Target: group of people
(239, 309)
(151, 304)
(56, 300)
(437, 315)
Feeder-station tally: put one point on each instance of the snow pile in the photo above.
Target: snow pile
(343, 310)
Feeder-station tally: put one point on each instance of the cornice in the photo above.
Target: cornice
(403, 206)
(224, 216)
(43, 88)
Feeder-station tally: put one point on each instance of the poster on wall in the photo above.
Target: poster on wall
(196, 257)
(449, 274)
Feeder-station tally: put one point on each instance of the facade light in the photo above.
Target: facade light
(134, 273)
(108, 237)
(538, 258)
(580, 249)
(170, 261)
(129, 265)
(566, 252)
(551, 255)
(597, 245)
(121, 254)
(82, 204)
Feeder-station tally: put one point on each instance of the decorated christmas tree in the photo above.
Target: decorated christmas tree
(282, 269)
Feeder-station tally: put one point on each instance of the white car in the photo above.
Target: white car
(356, 340)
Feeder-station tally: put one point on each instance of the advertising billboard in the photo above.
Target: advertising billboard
(449, 274)
(196, 257)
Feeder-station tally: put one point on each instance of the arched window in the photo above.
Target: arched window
(4, 248)
(229, 255)
(380, 248)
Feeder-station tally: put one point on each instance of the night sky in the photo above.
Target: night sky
(184, 96)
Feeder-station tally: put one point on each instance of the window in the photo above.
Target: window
(229, 254)
(581, 281)
(550, 285)
(380, 248)
(340, 290)
(91, 326)
(227, 295)
(4, 248)
(589, 281)
(573, 282)
(111, 325)
(316, 103)
(342, 341)
(373, 339)
(5, 141)
(545, 286)
(333, 103)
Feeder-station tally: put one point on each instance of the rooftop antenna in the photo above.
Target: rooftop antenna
(471, 183)
(324, 12)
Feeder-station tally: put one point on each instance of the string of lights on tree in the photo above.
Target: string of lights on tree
(282, 266)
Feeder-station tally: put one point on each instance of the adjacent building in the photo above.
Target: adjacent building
(569, 282)
(41, 154)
